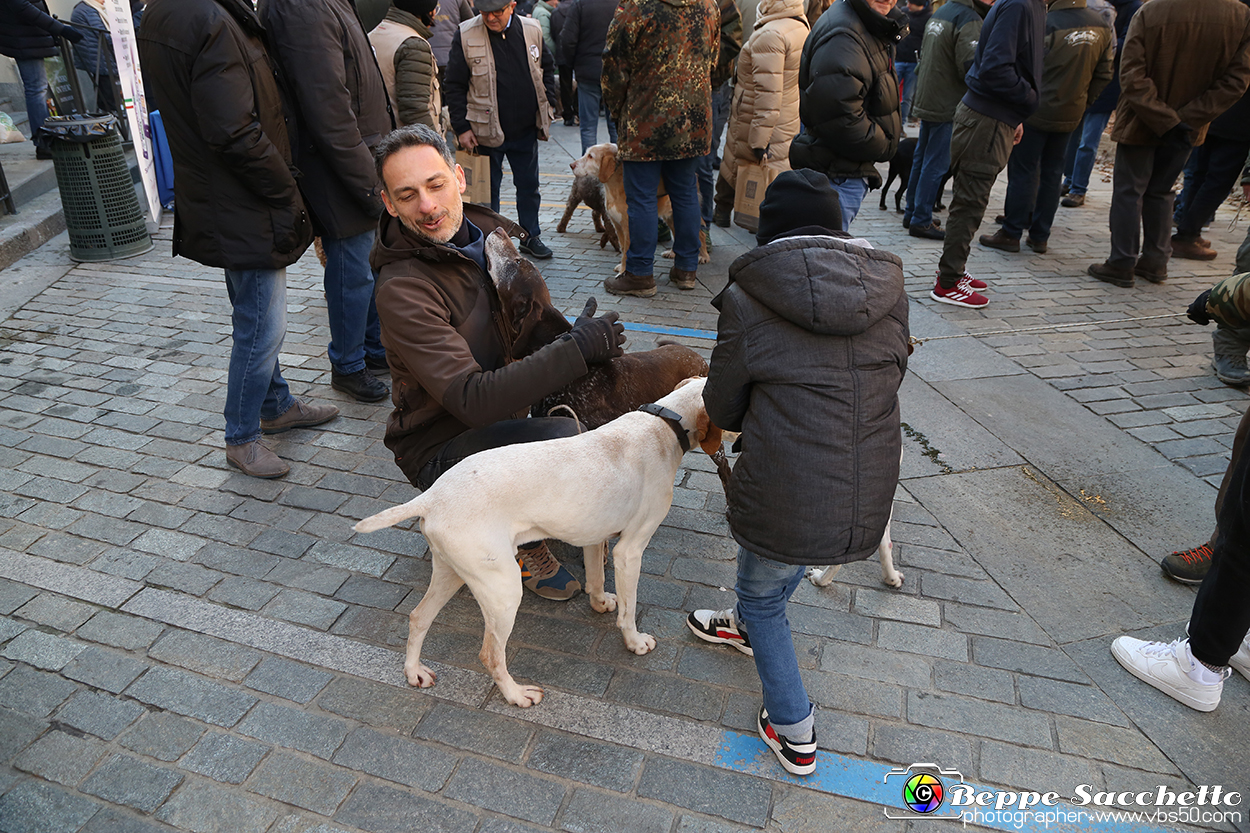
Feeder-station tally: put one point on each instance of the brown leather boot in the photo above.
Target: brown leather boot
(682, 278)
(627, 283)
(1114, 275)
(1191, 248)
(255, 460)
(1000, 240)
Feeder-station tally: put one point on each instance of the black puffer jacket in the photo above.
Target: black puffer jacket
(343, 110)
(238, 206)
(27, 30)
(848, 92)
(811, 348)
(584, 35)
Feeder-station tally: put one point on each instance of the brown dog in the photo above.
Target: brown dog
(589, 190)
(607, 390)
(600, 161)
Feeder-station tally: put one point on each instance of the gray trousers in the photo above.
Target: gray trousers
(1141, 205)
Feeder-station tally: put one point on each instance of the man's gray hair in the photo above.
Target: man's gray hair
(411, 136)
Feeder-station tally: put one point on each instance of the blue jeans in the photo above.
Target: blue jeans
(354, 327)
(35, 86)
(930, 162)
(851, 191)
(255, 388)
(709, 165)
(1090, 133)
(642, 180)
(906, 72)
(1034, 171)
(589, 95)
(764, 586)
(522, 154)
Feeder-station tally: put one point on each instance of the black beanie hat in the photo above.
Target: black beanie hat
(795, 200)
(418, 8)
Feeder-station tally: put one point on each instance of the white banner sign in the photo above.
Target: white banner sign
(126, 51)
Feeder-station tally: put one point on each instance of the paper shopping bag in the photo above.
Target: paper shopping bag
(477, 175)
(752, 181)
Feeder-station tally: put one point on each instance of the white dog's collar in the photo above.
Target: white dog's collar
(672, 418)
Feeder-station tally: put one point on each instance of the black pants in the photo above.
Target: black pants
(504, 432)
(1221, 615)
(568, 100)
(1034, 174)
(1217, 164)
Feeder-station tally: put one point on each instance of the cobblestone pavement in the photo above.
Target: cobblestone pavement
(183, 647)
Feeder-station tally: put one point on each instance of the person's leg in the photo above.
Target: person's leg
(568, 101)
(764, 587)
(589, 95)
(1069, 153)
(682, 184)
(913, 178)
(255, 388)
(35, 88)
(1050, 173)
(1192, 175)
(1224, 161)
(1242, 264)
(906, 72)
(642, 179)
(1156, 207)
(496, 173)
(934, 164)
(851, 191)
(1023, 175)
(523, 159)
(722, 98)
(1083, 163)
(980, 148)
(1133, 164)
(349, 295)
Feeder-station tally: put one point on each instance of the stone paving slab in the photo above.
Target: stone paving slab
(185, 648)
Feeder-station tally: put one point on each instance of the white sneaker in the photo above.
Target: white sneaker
(1172, 669)
(1241, 659)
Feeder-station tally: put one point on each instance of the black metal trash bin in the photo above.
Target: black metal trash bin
(102, 212)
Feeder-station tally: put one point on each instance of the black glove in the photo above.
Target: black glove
(1197, 311)
(599, 339)
(760, 153)
(1181, 136)
(71, 34)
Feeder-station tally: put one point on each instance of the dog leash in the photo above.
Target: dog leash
(916, 342)
(672, 418)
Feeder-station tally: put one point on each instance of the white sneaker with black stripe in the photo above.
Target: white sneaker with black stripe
(796, 758)
(960, 295)
(720, 626)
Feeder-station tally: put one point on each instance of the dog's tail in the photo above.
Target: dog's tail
(389, 517)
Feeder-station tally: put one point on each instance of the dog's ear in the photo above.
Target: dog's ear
(607, 165)
(708, 434)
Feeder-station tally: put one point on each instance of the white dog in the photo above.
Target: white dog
(615, 480)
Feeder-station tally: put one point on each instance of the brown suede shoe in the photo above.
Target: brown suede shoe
(682, 278)
(1039, 247)
(1001, 241)
(255, 460)
(1073, 201)
(1191, 249)
(300, 415)
(627, 283)
(1112, 274)
(1147, 271)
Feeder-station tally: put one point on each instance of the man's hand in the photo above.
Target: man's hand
(1179, 137)
(599, 339)
(1197, 311)
(1018, 135)
(467, 140)
(760, 153)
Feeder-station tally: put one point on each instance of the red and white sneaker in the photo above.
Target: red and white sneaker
(796, 758)
(961, 294)
(975, 283)
(720, 626)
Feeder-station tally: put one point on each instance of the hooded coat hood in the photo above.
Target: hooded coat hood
(811, 349)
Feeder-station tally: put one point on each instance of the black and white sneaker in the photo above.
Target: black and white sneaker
(720, 626)
(797, 758)
(536, 248)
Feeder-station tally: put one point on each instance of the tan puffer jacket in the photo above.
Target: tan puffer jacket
(765, 111)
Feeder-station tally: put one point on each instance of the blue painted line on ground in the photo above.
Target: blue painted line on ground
(684, 332)
(862, 780)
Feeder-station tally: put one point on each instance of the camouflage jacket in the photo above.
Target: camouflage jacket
(657, 72)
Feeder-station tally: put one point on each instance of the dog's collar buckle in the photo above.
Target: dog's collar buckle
(672, 418)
